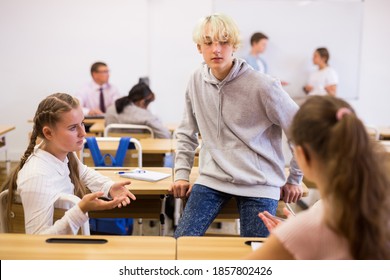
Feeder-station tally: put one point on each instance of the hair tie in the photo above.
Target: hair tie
(341, 112)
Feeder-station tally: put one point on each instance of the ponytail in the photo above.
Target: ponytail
(121, 103)
(357, 191)
(138, 92)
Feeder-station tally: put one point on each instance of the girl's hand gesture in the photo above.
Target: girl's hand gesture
(119, 190)
(91, 202)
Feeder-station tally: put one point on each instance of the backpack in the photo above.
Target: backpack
(100, 160)
(114, 226)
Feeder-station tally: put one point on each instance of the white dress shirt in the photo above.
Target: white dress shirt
(89, 96)
(40, 182)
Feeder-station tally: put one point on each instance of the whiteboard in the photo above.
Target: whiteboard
(295, 29)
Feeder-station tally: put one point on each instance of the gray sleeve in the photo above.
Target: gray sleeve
(187, 142)
(281, 110)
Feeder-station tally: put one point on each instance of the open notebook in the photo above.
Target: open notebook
(144, 175)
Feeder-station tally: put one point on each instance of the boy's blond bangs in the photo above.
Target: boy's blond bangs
(219, 27)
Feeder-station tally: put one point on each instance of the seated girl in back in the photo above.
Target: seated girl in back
(133, 109)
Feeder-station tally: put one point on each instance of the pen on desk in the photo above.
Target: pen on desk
(133, 171)
(290, 209)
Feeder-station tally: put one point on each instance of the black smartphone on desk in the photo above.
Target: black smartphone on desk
(249, 242)
(77, 240)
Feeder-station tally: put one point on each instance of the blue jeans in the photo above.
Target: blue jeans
(204, 204)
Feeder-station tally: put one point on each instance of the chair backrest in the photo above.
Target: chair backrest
(15, 223)
(110, 144)
(133, 130)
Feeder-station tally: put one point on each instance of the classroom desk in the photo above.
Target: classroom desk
(29, 247)
(149, 197)
(213, 248)
(97, 128)
(94, 120)
(384, 133)
(4, 129)
(156, 146)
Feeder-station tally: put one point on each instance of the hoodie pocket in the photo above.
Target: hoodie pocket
(239, 166)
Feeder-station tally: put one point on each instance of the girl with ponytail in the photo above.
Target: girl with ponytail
(133, 109)
(52, 168)
(351, 171)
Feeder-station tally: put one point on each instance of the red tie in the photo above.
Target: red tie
(101, 103)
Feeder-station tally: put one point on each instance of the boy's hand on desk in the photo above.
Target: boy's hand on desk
(291, 193)
(119, 190)
(180, 189)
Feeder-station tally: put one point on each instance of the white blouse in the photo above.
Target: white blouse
(321, 79)
(41, 181)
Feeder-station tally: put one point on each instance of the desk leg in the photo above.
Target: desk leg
(177, 211)
(162, 215)
(140, 225)
(8, 166)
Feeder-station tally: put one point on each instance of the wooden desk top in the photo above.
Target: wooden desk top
(195, 173)
(384, 133)
(5, 129)
(94, 121)
(213, 248)
(138, 187)
(156, 146)
(28, 247)
(97, 127)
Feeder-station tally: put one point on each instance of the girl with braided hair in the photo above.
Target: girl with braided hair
(52, 168)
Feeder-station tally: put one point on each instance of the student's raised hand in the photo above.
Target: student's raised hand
(180, 189)
(91, 202)
(291, 193)
(119, 190)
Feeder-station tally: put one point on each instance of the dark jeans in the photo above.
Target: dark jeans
(204, 204)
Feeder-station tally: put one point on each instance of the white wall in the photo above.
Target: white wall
(48, 46)
(373, 104)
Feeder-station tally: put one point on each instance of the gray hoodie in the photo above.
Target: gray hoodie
(240, 120)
